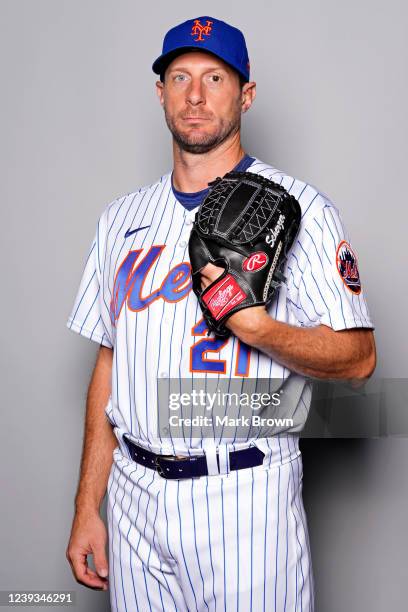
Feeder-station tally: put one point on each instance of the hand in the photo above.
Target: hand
(209, 274)
(88, 537)
(246, 322)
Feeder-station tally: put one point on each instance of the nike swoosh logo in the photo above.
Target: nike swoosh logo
(129, 232)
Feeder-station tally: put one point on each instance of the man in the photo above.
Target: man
(234, 537)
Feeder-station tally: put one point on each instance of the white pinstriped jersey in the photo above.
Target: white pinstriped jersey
(135, 297)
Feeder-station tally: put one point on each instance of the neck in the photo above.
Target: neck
(193, 172)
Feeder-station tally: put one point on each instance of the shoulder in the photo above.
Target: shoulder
(122, 204)
(313, 202)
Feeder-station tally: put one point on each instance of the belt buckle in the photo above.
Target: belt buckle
(160, 469)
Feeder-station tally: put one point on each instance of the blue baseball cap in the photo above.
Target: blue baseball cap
(206, 34)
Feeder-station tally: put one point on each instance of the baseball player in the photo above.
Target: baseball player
(211, 522)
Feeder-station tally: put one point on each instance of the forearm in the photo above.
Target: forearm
(99, 439)
(318, 352)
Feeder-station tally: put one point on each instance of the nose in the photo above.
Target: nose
(195, 93)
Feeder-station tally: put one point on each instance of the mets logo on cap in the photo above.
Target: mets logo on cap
(346, 261)
(201, 30)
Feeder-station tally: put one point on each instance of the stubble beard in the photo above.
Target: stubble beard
(199, 144)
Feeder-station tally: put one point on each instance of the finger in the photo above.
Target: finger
(81, 571)
(95, 577)
(100, 561)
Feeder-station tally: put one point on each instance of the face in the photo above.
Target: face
(203, 101)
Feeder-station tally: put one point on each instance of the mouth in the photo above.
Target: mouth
(195, 119)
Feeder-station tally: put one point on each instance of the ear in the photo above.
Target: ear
(160, 91)
(248, 95)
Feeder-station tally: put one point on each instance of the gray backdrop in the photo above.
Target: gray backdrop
(80, 125)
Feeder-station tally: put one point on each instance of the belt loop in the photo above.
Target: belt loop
(223, 455)
(263, 446)
(211, 457)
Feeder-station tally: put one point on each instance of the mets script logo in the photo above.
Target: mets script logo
(199, 30)
(128, 287)
(347, 266)
(255, 262)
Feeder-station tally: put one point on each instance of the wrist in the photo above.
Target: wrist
(87, 506)
(250, 324)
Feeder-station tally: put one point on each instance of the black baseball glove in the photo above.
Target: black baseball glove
(246, 225)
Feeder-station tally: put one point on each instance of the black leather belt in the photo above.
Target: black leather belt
(191, 467)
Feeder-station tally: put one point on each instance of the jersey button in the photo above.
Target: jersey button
(163, 375)
(189, 221)
(182, 244)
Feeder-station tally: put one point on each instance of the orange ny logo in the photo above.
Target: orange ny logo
(199, 30)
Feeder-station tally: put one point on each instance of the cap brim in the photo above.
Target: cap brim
(160, 65)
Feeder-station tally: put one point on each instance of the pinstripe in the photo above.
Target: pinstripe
(334, 246)
(142, 221)
(150, 551)
(119, 229)
(237, 495)
(130, 525)
(277, 541)
(148, 313)
(309, 205)
(91, 250)
(298, 540)
(127, 537)
(287, 546)
(304, 285)
(167, 521)
(172, 556)
(90, 310)
(125, 244)
(223, 543)
(174, 312)
(302, 516)
(265, 541)
(113, 565)
(195, 541)
(118, 205)
(144, 535)
(182, 547)
(120, 544)
(82, 298)
(327, 284)
(252, 534)
(209, 539)
(94, 327)
(314, 279)
(320, 260)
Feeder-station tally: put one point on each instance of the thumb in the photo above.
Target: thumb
(100, 561)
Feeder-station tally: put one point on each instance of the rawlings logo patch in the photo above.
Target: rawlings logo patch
(224, 296)
(346, 261)
(255, 262)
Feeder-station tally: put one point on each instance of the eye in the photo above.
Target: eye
(215, 78)
(180, 77)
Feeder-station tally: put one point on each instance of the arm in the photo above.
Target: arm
(88, 534)
(319, 352)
